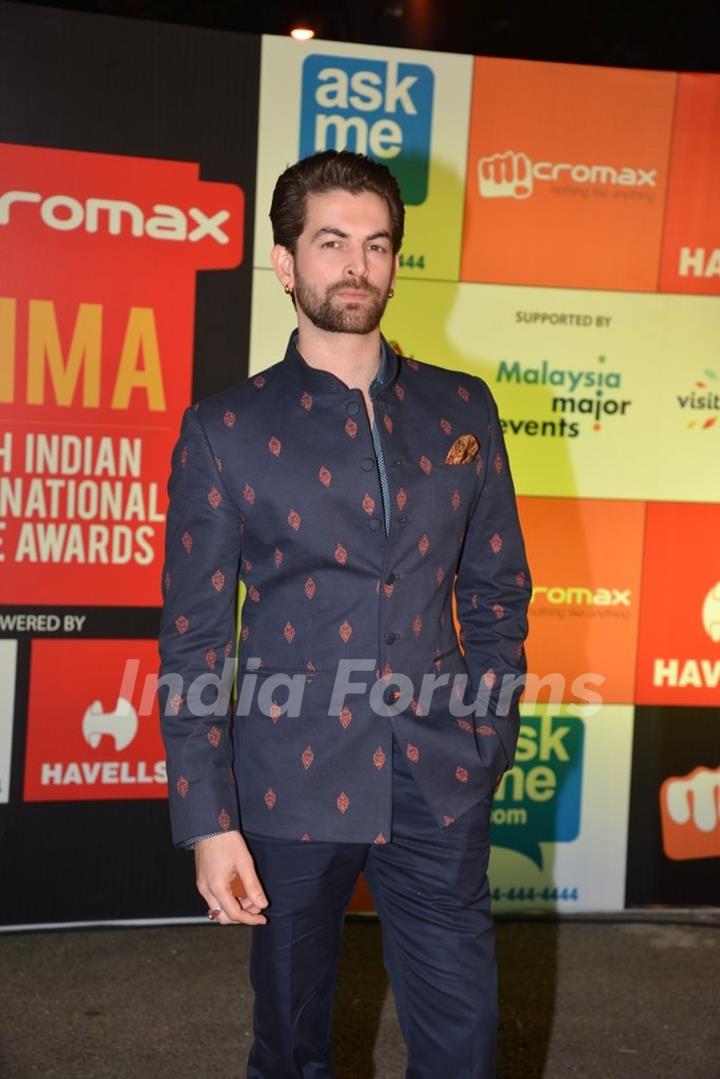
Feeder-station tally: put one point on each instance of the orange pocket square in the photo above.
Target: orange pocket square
(463, 449)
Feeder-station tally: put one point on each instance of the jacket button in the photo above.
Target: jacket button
(402, 520)
(375, 523)
(391, 638)
(352, 408)
(366, 464)
(391, 578)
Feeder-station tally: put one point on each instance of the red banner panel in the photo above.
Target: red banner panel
(93, 725)
(679, 643)
(98, 257)
(691, 241)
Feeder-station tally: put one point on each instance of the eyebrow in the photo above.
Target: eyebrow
(329, 230)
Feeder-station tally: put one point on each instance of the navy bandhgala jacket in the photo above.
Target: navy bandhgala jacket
(349, 541)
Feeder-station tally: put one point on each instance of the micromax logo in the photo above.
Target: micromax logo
(64, 213)
(690, 814)
(583, 597)
(512, 175)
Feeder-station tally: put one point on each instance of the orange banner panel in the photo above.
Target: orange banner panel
(566, 175)
(585, 558)
(691, 241)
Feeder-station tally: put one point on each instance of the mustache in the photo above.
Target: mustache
(354, 285)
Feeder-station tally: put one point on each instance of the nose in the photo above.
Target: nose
(356, 265)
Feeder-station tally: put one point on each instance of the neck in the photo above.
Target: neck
(351, 357)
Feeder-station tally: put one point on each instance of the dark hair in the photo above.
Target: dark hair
(331, 170)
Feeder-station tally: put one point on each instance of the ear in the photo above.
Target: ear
(283, 264)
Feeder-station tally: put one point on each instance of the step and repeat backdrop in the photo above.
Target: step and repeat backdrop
(563, 242)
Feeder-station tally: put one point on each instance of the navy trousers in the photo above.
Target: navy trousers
(431, 893)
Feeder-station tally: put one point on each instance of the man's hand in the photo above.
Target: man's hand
(218, 859)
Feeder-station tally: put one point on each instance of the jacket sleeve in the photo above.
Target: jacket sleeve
(197, 636)
(493, 590)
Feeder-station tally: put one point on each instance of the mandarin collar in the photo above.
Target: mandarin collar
(315, 380)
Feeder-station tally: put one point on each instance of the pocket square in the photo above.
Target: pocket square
(464, 449)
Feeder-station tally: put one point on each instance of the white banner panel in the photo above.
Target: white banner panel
(408, 109)
(8, 666)
(560, 816)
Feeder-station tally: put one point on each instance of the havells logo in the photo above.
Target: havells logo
(711, 613)
(100, 730)
(381, 108)
(121, 724)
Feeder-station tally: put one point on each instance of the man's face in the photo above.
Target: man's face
(344, 266)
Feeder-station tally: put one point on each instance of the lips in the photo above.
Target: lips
(352, 294)
(353, 291)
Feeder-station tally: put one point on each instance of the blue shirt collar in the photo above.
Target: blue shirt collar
(316, 380)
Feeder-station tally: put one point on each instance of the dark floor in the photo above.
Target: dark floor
(598, 1000)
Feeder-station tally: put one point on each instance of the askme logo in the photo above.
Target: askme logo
(539, 798)
(380, 108)
(513, 175)
(64, 213)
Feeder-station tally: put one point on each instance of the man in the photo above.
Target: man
(351, 489)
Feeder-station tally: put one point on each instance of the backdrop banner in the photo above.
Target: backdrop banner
(126, 214)
(562, 242)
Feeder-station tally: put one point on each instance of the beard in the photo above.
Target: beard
(338, 316)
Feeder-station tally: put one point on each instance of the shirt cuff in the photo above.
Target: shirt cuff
(189, 844)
